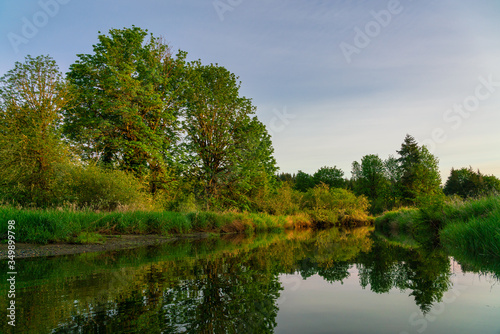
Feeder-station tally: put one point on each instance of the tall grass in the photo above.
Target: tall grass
(464, 228)
(397, 221)
(64, 225)
(87, 215)
(474, 230)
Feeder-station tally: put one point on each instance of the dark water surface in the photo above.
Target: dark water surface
(331, 281)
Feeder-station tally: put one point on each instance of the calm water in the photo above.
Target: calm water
(330, 281)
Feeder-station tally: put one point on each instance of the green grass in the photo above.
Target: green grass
(465, 228)
(399, 221)
(85, 226)
(89, 238)
(476, 236)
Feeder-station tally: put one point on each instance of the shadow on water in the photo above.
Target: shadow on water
(218, 285)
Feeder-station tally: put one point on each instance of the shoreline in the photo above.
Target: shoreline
(113, 242)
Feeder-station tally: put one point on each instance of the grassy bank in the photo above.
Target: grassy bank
(45, 226)
(465, 228)
(80, 226)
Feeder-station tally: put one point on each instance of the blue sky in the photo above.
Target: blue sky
(427, 68)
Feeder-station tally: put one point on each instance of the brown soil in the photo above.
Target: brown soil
(113, 242)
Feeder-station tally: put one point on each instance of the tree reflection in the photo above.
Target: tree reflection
(426, 274)
(215, 286)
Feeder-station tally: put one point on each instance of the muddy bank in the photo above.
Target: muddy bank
(113, 242)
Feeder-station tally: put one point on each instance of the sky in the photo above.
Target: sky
(332, 80)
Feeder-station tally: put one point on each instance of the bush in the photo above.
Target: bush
(284, 201)
(331, 206)
(102, 189)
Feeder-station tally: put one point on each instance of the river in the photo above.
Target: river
(330, 281)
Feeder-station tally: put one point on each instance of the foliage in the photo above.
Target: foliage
(31, 150)
(95, 188)
(370, 181)
(63, 224)
(419, 172)
(88, 238)
(228, 151)
(480, 236)
(411, 179)
(331, 176)
(393, 176)
(334, 206)
(286, 177)
(465, 182)
(135, 128)
(463, 227)
(126, 103)
(303, 181)
(397, 221)
(284, 200)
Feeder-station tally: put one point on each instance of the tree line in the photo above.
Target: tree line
(409, 179)
(133, 124)
(131, 115)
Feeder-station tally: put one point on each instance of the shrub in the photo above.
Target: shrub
(284, 201)
(331, 206)
(102, 189)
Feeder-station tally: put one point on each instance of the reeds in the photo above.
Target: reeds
(465, 228)
(64, 225)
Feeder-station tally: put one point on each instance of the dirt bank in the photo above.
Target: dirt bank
(113, 242)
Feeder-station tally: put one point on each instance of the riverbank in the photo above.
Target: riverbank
(463, 228)
(37, 226)
(111, 242)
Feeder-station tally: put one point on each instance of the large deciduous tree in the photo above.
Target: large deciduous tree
(126, 103)
(393, 176)
(31, 98)
(331, 176)
(303, 181)
(370, 180)
(466, 182)
(228, 150)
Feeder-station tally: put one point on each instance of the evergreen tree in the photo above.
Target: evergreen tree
(419, 172)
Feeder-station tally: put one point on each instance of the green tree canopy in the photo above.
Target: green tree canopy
(466, 182)
(331, 176)
(370, 180)
(419, 172)
(303, 181)
(32, 95)
(228, 150)
(126, 102)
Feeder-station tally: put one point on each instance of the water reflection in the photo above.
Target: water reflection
(227, 285)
